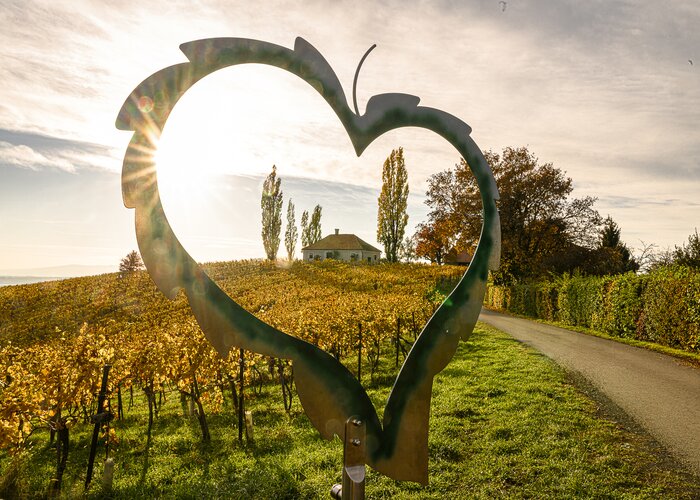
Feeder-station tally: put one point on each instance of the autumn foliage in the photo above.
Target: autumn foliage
(56, 336)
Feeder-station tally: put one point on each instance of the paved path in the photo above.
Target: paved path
(660, 393)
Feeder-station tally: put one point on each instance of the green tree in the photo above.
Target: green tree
(131, 263)
(314, 227)
(612, 256)
(305, 229)
(610, 233)
(689, 253)
(392, 217)
(271, 205)
(290, 235)
(542, 229)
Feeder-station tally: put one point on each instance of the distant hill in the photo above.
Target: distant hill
(68, 271)
(24, 280)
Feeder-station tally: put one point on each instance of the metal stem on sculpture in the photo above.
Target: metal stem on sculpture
(353, 487)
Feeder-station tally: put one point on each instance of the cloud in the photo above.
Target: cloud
(36, 151)
(25, 157)
(601, 89)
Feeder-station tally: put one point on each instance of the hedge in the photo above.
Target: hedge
(662, 306)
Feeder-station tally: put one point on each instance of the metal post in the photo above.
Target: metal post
(99, 419)
(353, 487)
(398, 340)
(415, 330)
(241, 411)
(359, 353)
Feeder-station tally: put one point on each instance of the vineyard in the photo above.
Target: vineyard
(56, 337)
(177, 421)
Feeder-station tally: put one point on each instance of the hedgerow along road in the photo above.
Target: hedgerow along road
(658, 392)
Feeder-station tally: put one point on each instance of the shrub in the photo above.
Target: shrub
(624, 305)
(671, 310)
(523, 299)
(580, 299)
(547, 300)
(662, 306)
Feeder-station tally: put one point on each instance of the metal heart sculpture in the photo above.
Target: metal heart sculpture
(329, 393)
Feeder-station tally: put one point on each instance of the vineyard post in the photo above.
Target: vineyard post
(120, 408)
(241, 414)
(359, 353)
(99, 418)
(398, 339)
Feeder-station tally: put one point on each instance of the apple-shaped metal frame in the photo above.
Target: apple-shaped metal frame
(329, 393)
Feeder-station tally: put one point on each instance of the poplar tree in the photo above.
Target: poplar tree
(393, 200)
(271, 205)
(290, 235)
(305, 229)
(315, 225)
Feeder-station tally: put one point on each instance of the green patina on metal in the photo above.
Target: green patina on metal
(329, 393)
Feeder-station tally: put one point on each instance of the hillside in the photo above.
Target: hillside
(505, 422)
(51, 310)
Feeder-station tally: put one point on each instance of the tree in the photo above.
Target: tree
(610, 233)
(689, 254)
(271, 205)
(305, 229)
(645, 256)
(315, 225)
(290, 235)
(612, 256)
(392, 217)
(431, 243)
(407, 249)
(660, 258)
(542, 229)
(131, 263)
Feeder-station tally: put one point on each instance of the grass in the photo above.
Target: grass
(505, 423)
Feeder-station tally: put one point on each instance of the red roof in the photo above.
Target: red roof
(454, 257)
(341, 242)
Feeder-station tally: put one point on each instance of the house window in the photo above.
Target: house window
(353, 257)
(369, 259)
(329, 255)
(311, 256)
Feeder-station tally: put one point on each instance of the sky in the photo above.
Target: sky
(607, 91)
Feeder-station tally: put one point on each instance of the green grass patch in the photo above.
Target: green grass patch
(505, 423)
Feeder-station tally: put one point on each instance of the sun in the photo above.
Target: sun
(222, 139)
(189, 153)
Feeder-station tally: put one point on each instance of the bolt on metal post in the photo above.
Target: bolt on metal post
(353, 487)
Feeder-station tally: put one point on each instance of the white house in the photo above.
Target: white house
(347, 247)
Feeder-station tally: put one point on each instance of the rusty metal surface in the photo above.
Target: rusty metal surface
(329, 393)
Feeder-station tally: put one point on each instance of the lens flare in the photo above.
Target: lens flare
(145, 104)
